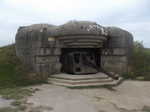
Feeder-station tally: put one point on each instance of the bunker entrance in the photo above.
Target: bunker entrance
(80, 60)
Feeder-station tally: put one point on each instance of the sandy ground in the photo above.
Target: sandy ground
(130, 96)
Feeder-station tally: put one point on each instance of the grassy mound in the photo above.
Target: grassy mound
(11, 69)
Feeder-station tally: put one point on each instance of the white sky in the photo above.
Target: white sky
(132, 15)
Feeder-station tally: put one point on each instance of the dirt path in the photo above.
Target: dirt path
(131, 96)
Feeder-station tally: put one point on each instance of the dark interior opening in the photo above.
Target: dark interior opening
(80, 60)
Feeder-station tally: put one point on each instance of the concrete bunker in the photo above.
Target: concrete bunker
(77, 47)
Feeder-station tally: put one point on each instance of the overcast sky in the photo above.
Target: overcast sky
(132, 15)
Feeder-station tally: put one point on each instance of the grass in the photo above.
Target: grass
(9, 64)
(12, 70)
(13, 109)
(19, 95)
(12, 83)
(16, 93)
(9, 109)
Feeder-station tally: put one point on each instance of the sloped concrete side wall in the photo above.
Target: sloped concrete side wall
(118, 50)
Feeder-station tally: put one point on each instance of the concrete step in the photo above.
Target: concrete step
(75, 82)
(79, 77)
(68, 80)
(84, 85)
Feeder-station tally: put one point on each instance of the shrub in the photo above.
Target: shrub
(140, 62)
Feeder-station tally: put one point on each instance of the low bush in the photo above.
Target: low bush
(140, 64)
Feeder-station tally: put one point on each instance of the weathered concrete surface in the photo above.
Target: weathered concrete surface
(39, 46)
(131, 96)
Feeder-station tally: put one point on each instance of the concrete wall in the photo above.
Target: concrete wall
(37, 51)
(117, 53)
